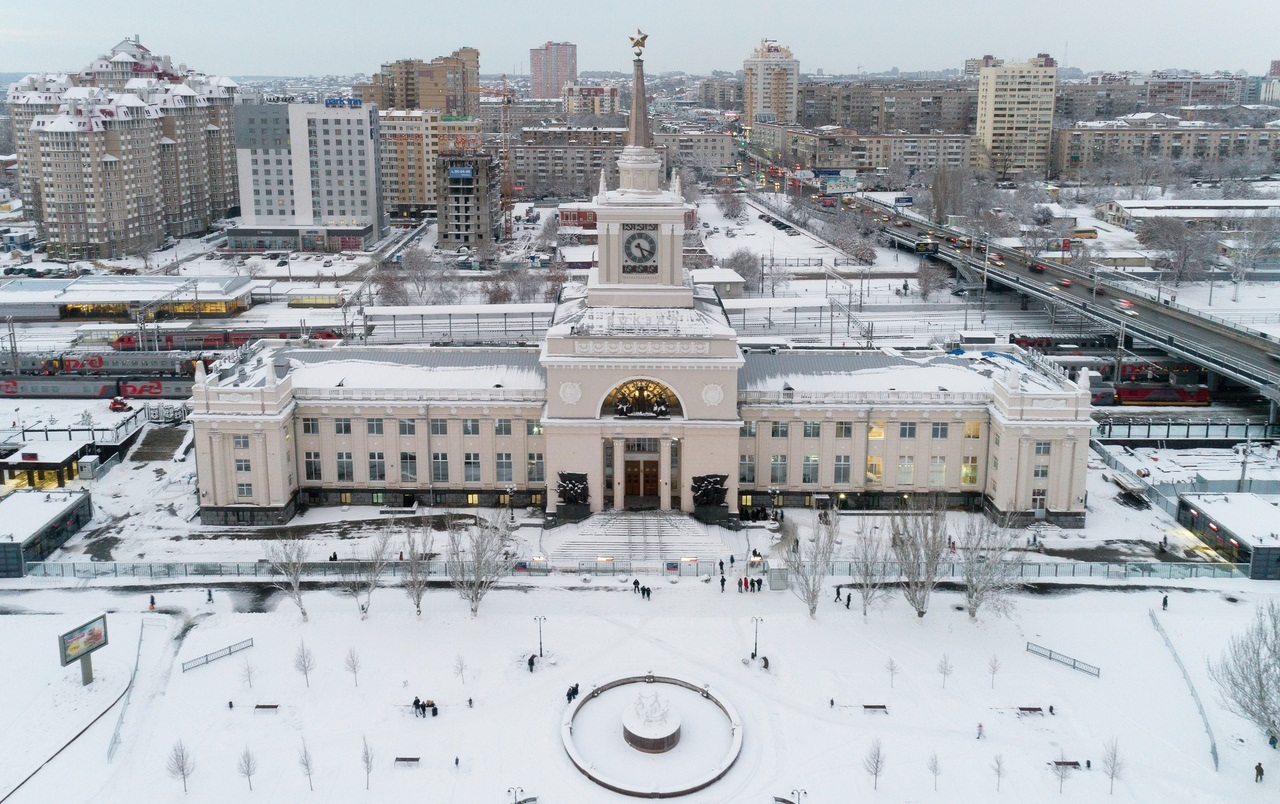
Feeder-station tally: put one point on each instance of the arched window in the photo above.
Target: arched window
(641, 399)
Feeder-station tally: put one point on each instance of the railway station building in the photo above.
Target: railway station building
(639, 397)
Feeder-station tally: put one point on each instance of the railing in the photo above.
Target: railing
(1154, 430)
(1195, 696)
(221, 653)
(1039, 650)
(128, 695)
(863, 397)
(700, 565)
(416, 395)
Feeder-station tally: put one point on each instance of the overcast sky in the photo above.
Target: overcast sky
(287, 37)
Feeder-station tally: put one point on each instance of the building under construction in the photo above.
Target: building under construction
(469, 207)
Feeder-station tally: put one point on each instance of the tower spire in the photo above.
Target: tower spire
(638, 125)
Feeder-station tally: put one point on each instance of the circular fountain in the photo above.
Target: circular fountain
(652, 736)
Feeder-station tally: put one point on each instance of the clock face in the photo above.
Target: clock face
(640, 248)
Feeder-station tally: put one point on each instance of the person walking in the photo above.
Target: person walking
(417, 704)
(531, 658)
(1257, 772)
(848, 599)
(1164, 604)
(153, 603)
(635, 585)
(731, 562)
(722, 580)
(837, 594)
(722, 566)
(980, 731)
(568, 695)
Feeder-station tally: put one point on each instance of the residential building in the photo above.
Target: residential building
(821, 148)
(410, 142)
(879, 107)
(566, 160)
(445, 84)
(973, 67)
(468, 200)
(521, 111)
(715, 93)
(1015, 117)
(131, 150)
(770, 79)
(638, 396)
(309, 176)
(1159, 136)
(1084, 101)
(697, 147)
(593, 100)
(912, 151)
(1169, 91)
(552, 67)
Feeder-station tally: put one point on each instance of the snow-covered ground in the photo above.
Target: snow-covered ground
(498, 727)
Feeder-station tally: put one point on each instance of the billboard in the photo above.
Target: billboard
(926, 247)
(903, 201)
(459, 172)
(80, 642)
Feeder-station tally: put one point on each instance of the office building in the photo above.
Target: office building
(1015, 117)
(129, 151)
(552, 67)
(770, 78)
(309, 176)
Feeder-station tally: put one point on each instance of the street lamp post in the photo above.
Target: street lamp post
(755, 648)
(511, 502)
(797, 793)
(515, 793)
(540, 620)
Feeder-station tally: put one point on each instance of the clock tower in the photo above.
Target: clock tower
(641, 225)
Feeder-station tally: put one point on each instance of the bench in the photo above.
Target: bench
(406, 760)
(875, 708)
(1066, 763)
(272, 708)
(1030, 710)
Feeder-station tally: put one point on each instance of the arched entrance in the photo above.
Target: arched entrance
(641, 465)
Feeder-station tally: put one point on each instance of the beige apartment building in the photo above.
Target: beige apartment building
(912, 151)
(446, 84)
(698, 148)
(411, 143)
(129, 151)
(1015, 117)
(639, 394)
(769, 82)
(881, 107)
(1159, 136)
(593, 100)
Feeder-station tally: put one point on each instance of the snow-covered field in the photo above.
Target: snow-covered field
(509, 736)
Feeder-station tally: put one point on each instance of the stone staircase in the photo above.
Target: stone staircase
(640, 536)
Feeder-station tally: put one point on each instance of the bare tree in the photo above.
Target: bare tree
(730, 204)
(305, 762)
(418, 553)
(1061, 769)
(809, 560)
(360, 578)
(778, 277)
(997, 767)
(935, 767)
(893, 669)
(1186, 251)
(989, 565)
(366, 761)
(1248, 674)
(352, 664)
(247, 766)
(1112, 763)
(557, 278)
(945, 669)
(304, 661)
(391, 286)
(247, 671)
(930, 278)
(497, 289)
(1258, 239)
(288, 559)
(870, 569)
(526, 285)
(478, 557)
(993, 667)
(550, 231)
(919, 541)
(873, 763)
(689, 187)
(746, 265)
(180, 764)
(460, 668)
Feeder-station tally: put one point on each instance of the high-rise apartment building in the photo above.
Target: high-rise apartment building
(715, 93)
(973, 67)
(412, 140)
(469, 199)
(880, 107)
(446, 84)
(593, 100)
(770, 78)
(309, 176)
(552, 66)
(1015, 116)
(130, 150)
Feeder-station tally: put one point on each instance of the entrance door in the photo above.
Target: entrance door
(634, 479)
(641, 484)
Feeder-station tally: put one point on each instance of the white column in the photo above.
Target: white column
(664, 473)
(619, 473)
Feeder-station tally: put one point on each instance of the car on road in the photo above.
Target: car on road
(998, 263)
(1124, 304)
(1036, 268)
(903, 224)
(1064, 283)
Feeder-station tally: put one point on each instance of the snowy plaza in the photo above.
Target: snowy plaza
(804, 721)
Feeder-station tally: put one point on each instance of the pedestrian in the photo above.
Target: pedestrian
(1164, 604)
(722, 580)
(635, 586)
(208, 596)
(730, 562)
(742, 584)
(848, 599)
(1051, 709)
(153, 603)
(455, 763)
(837, 594)
(759, 584)
(1272, 742)
(1257, 772)
(980, 733)
(417, 704)
(648, 593)
(568, 695)
(531, 658)
(575, 689)
(722, 566)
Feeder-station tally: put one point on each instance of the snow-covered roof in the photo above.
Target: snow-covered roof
(422, 369)
(707, 276)
(108, 289)
(1251, 518)
(26, 513)
(656, 322)
(44, 452)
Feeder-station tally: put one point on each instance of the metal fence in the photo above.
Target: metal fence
(678, 567)
(220, 653)
(1213, 744)
(1060, 658)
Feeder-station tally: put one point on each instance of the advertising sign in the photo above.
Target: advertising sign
(331, 102)
(80, 642)
(460, 173)
(926, 247)
(842, 184)
(903, 201)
